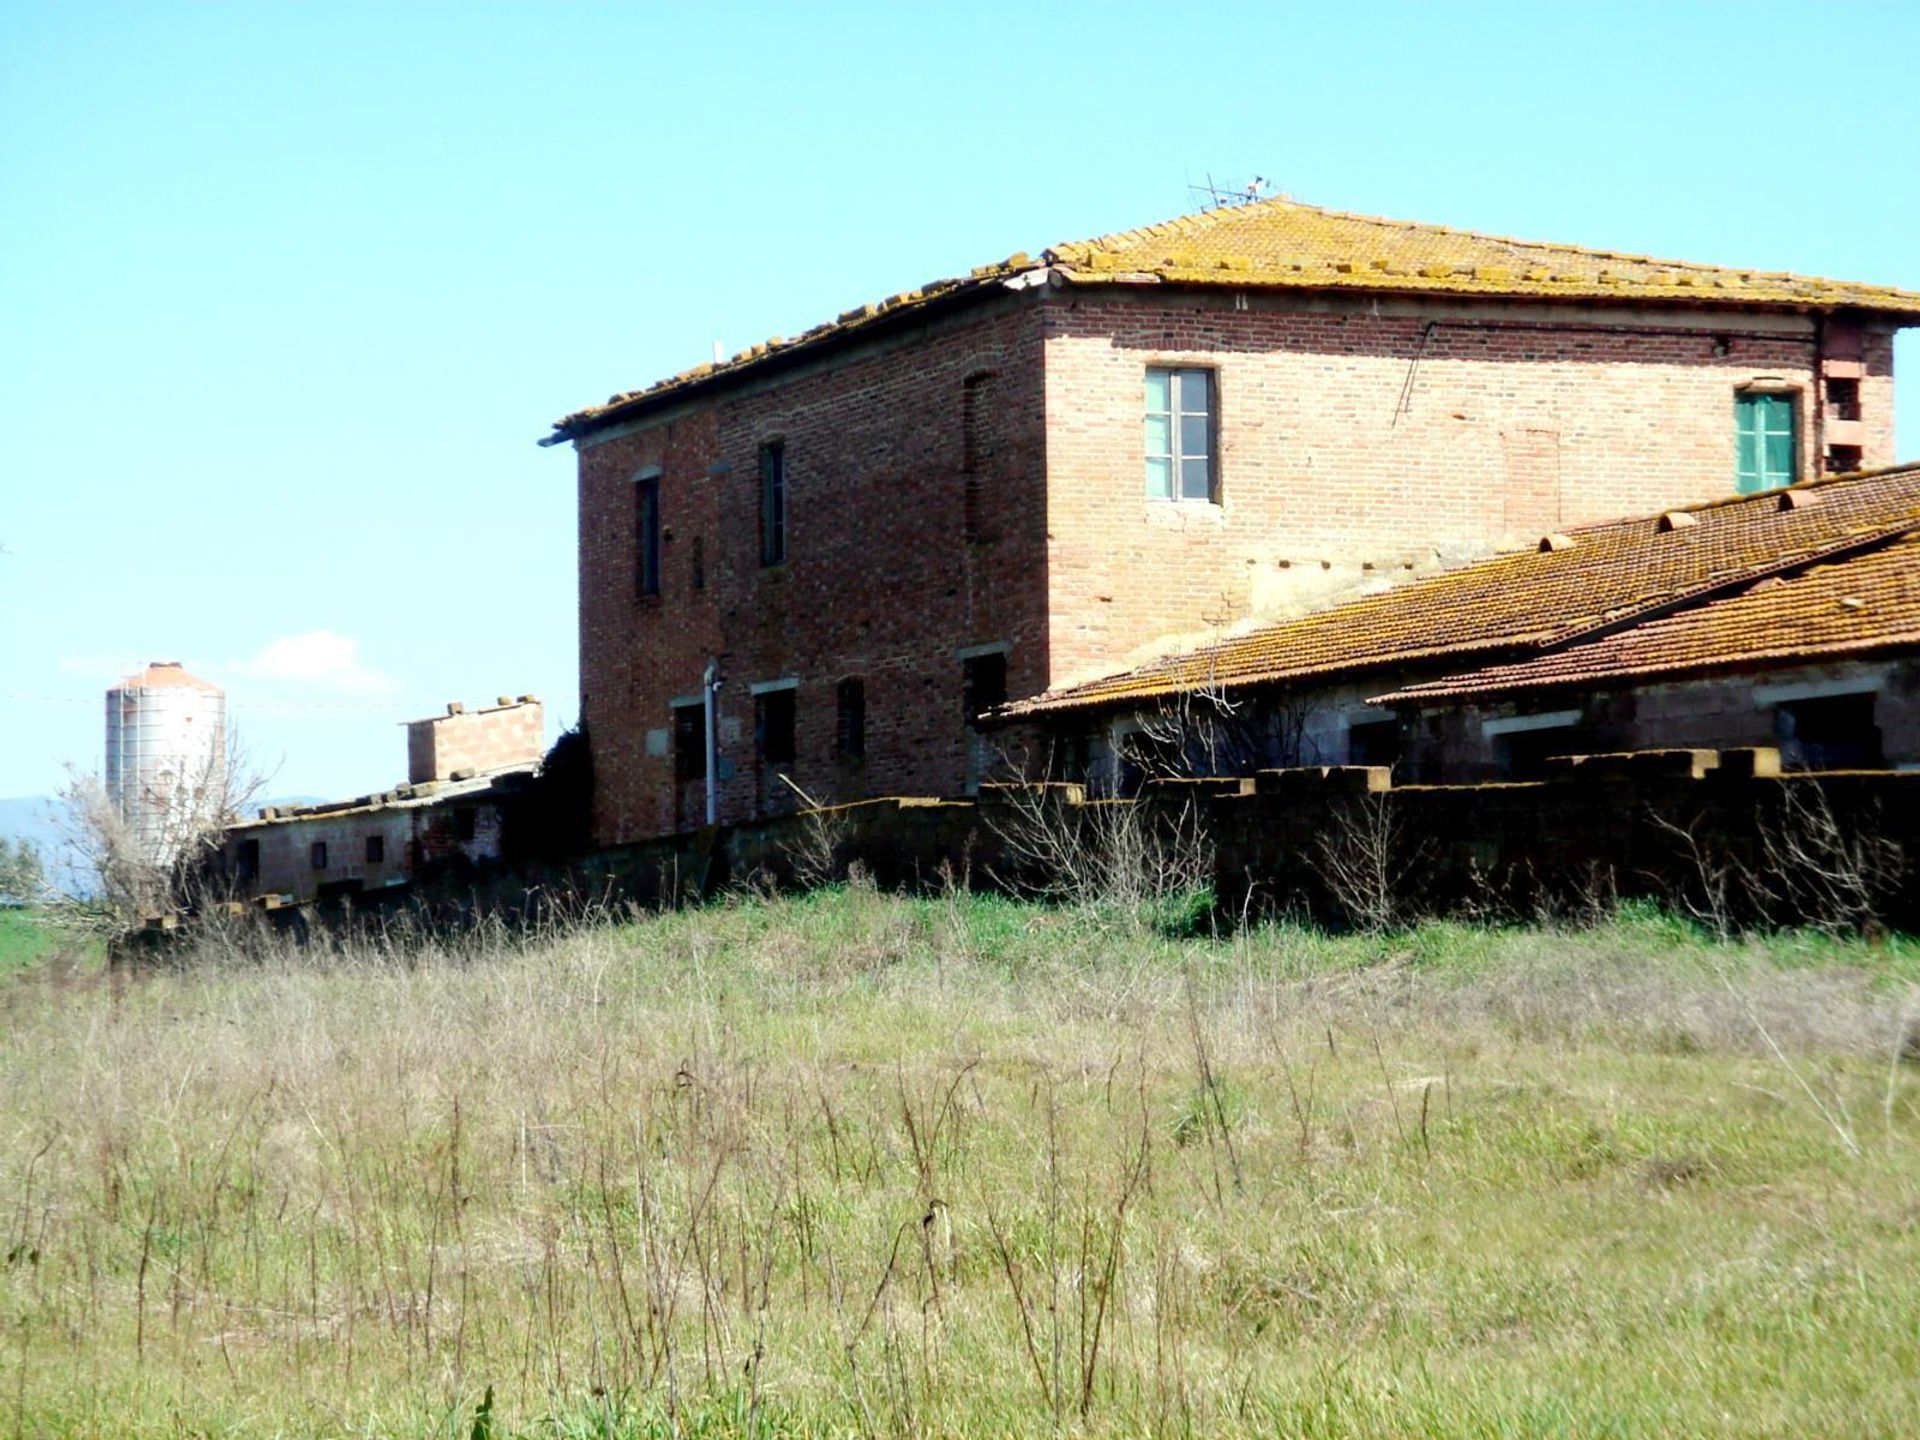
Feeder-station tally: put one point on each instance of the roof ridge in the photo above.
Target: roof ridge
(1276, 202)
(1759, 497)
(1190, 220)
(1454, 686)
(1715, 586)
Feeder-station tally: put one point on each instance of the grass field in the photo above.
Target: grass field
(860, 1165)
(27, 940)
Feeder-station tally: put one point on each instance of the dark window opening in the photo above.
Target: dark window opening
(465, 822)
(248, 860)
(646, 536)
(376, 849)
(773, 503)
(1834, 732)
(1523, 754)
(318, 854)
(1843, 459)
(699, 562)
(1071, 758)
(773, 726)
(689, 742)
(1843, 399)
(850, 705)
(983, 684)
(1373, 742)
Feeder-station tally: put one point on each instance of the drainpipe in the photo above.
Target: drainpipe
(1818, 399)
(709, 688)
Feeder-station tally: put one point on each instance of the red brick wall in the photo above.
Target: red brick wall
(880, 583)
(1517, 420)
(476, 740)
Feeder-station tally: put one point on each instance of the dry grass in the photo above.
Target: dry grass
(860, 1165)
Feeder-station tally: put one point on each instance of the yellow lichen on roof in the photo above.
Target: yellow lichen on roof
(1861, 601)
(845, 323)
(1282, 242)
(1525, 601)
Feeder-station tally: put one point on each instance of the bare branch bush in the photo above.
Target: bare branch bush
(1136, 861)
(163, 862)
(1808, 868)
(1207, 731)
(1816, 871)
(817, 851)
(1365, 859)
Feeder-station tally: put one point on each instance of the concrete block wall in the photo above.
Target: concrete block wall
(1606, 828)
(412, 837)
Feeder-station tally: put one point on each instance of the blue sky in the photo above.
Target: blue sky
(287, 293)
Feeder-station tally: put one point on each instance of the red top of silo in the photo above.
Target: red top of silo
(165, 673)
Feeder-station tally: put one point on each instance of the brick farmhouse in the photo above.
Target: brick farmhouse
(1063, 466)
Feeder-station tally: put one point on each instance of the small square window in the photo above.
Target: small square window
(1843, 398)
(1523, 755)
(465, 823)
(1373, 742)
(1179, 434)
(249, 860)
(1832, 732)
(376, 849)
(317, 853)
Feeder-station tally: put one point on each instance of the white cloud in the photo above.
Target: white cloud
(323, 658)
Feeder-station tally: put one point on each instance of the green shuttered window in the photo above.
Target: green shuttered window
(1764, 448)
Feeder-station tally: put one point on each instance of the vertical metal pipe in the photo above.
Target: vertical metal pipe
(709, 686)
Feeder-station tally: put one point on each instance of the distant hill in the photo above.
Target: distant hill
(30, 817)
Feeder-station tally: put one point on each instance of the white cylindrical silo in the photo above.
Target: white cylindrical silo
(166, 757)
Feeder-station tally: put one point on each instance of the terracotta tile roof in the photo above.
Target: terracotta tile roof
(1282, 244)
(1527, 600)
(418, 795)
(1862, 601)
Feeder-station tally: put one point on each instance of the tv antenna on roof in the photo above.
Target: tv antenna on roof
(1227, 194)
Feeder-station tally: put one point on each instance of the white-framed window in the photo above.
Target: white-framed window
(1180, 433)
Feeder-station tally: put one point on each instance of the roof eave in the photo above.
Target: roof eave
(1637, 675)
(1905, 313)
(826, 339)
